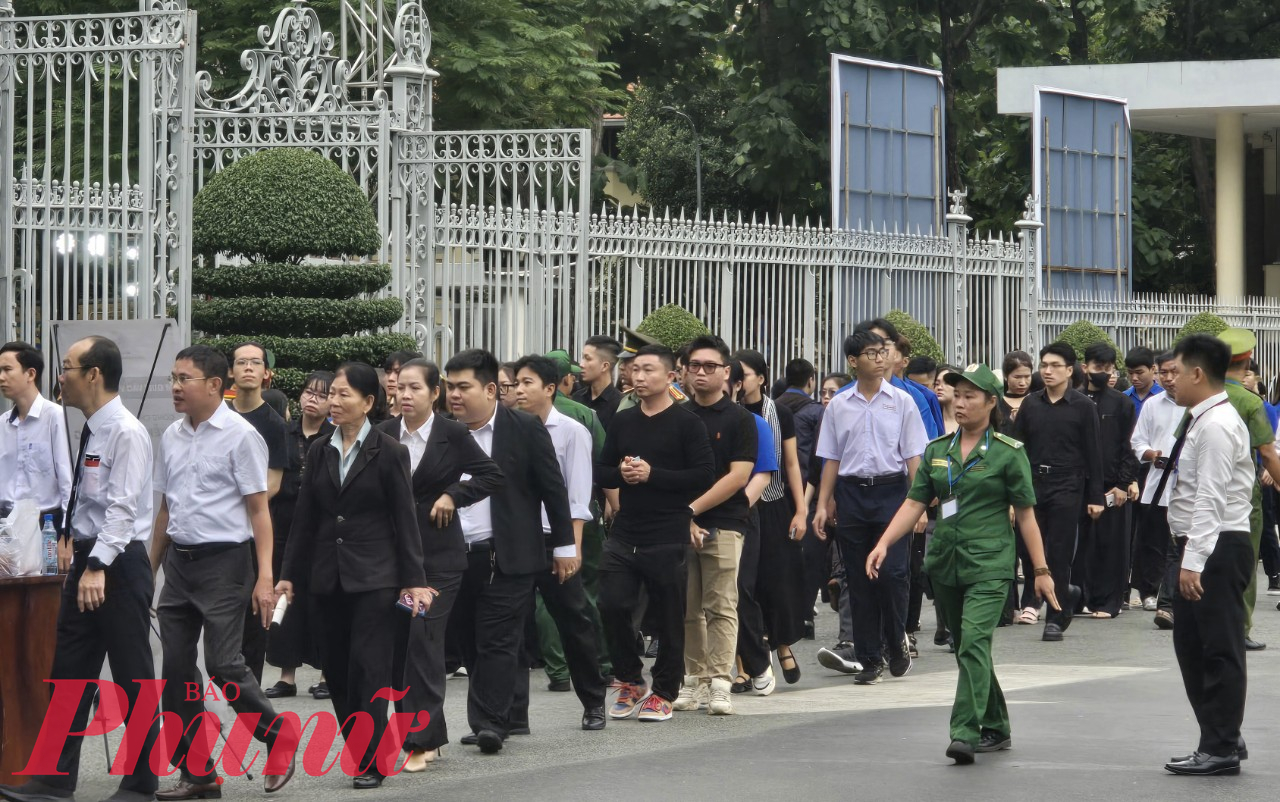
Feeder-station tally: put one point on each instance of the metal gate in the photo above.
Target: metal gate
(95, 166)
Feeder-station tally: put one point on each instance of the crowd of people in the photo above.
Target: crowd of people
(579, 515)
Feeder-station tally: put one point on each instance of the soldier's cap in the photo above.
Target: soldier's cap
(1241, 342)
(633, 341)
(564, 362)
(979, 376)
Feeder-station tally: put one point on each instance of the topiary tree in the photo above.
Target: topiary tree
(672, 325)
(1203, 323)
(1082, 334)
(922, 341)
(273, 209)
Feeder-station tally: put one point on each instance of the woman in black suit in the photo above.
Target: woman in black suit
(355, 540)
(441, 451)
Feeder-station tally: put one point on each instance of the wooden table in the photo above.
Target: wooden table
(28, 626)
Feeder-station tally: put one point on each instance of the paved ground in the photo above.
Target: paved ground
(1094, 717)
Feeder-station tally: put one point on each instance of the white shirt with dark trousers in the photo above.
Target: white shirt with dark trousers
(1210, 508)
(572, 442)
(35, 462)
(205, 472)
(114, 497)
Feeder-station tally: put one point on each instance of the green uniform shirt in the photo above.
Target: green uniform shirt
(977, 542)
(629, 398)
(1250, 407)
(582, 414)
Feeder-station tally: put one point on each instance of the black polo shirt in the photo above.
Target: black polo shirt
(732, 431)
(605, 405)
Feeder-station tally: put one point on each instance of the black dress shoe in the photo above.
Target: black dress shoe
(740, 687)
(941, 636)
(560, 685)
(593, 718)
(1070, 604)
(272, 783)
(1052, 632)
(517, 729)
(281, 690)
(992, 741)
(1251, 645)
(960, 752)
(1242, 752)
(469, 739)
(1202, 765)
(489, 742)
(321, 691)
(34, 790)
(367, 781)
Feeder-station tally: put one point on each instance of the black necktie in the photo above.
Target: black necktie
(1171, 463)
(75, 482)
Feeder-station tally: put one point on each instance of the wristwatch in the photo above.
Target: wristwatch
(1042, 571)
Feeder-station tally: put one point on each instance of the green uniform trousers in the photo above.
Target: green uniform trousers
(548, 635)
(972, 613)
(1255, 538)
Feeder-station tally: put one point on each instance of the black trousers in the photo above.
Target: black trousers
(1058, 507)
(358, 648)
(780, 576)
(1269, 548)
(489, 617)
(879, 605)
(292, 643)
(1151, 549)
(1169, 579)
(660, 572)
(419, 664)
(254, 642)
(1208, 639)
(817, 564)
(752, 648)
(915, 599)
(208, 595)
(119, 632)
(1108, 569)
(567, 604)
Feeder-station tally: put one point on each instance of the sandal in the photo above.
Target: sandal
(1101, 614)
(1029, 615)
(791, 675)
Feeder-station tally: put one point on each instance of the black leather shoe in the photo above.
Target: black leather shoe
(941, 636)
(1052, 632)
(1068, 605)
(489, 742)
(740, 687)
(1242, 752)
(593, 718)
(560, 685)
(281, 690)
(469, 739)
(960, 752)
(321, 691)
(993, 741)
(1251, 645)
(1202, 765)
(517, 729)
(366, 782)
(34, 791)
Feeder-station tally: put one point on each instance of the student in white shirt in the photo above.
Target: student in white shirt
(1153, 439)
(35, 462)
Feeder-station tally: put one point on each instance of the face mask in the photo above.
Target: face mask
(1099, 379)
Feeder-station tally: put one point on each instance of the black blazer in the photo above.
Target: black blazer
(451, 452)
(362, 533)
(523, 450)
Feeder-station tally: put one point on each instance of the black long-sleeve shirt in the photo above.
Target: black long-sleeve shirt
(1116, 419)
(1064, 437)
(681, 467)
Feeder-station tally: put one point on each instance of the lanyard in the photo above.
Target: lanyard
(951, 483)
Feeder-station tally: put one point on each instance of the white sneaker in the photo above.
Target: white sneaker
(1149, 604)
(719, 702)
(694, 695)
(764, 684)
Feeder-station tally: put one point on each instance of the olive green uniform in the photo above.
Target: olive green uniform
(1250, 407)
(970, 562)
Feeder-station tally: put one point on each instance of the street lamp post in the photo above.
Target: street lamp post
(697, 153)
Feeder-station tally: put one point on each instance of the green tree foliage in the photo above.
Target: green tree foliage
(922, 340)
(1082, 334)
(1203, 323)
(672, 325)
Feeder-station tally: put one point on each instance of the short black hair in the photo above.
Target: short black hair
(27, 355)
(603, 342)
(857, 342)
(1167, 356)
(736, 373)
(798, 372)
(255, 344)
(547, 371)
(922, 364)
(1100, 352)
(1140, 357)
(841, 379)
(1207, 353)
(707, 342)
(277, 401)
(884, 325)
(213, 364)
(754, 360)
(324, 378)
(399, 358)
(1061, 349)
(430, 371)
(477, 360)
(104, 355)
(662, 352)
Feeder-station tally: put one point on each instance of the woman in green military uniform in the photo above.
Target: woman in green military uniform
(974, 476)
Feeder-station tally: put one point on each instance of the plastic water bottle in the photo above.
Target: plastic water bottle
(49, 541)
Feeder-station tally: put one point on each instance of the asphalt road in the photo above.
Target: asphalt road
(1094, 717)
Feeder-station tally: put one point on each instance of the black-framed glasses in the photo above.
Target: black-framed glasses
(875, 354)
(704, 367)
(506, 387)
(179, 381)
(316, 394)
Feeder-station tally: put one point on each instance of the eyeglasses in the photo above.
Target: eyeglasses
(316, 394)
(506, 387)
(178, 381)
(704, 367)
(874, 354)
(1053, 365)
(244, 363)
(69, 368)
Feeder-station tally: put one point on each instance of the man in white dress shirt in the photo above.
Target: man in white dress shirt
(1209, 515)
(34, 460)
(1153, 439)
(563, 592)
(212, 476)
(106, 599)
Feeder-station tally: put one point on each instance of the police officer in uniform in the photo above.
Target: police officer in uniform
(633, 341)
(974, 476)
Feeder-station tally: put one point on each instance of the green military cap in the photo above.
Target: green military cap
(633, 341)
(564, 362)
(979, 376)
(1240, 341)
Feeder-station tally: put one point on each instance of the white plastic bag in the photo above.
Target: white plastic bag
(20, 547)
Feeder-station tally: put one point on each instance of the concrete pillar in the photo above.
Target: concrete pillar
(1229, 177)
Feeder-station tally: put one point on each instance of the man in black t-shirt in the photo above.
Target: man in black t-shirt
(657, 454)
(599, 356)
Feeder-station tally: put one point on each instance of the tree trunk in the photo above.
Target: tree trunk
(1206, 191)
